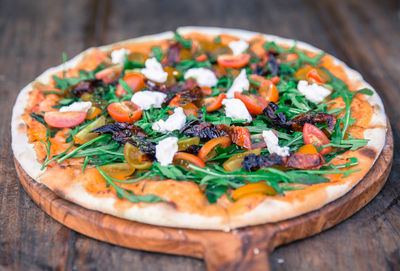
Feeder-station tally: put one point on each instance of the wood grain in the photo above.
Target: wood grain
(365, 34)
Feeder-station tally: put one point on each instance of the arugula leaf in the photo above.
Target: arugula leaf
(186, 43)
(39, 118)
(157, 53)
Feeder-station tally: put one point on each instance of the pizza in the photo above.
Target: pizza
(204, 128)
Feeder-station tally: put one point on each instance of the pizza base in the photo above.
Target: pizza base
(246, 212)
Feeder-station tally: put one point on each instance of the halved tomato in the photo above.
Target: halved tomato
(253, 189)
(125, 111)
(183, 159)
(275, 79)
(313, 135)
(64, 119)
(134, 80)
(233, 61)
(93, 112)
(85, 134)
(269, 91)
(255, 104)
(110, 74)
(201, 58)
(241, 136)
(317, 74)
(190, 109)
(208, 150)
(308, 149)
(207, 91)
(235, 161)
(118, 171)
(135, 157)
(214, 103)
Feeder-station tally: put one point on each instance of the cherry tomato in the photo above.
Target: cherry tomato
(184, 143)
(135, 157)
(235, 161)
(269, 91)
(208, 150)
(110, 74)
(313, 135)
(118, 171)
(183, 159)
(190, 109)
(313, 76)
(255, 104)
(173, 75)
(241, 137)
(303, 74)
(176, 102)
(257, 78)
(137, 57)
(134, 80)
(233, 61)
(125, 111)
(93, 112)
(308, 149)
(64, 119)
(253, 189)
(85, 134)
(275, 79)
(201, 58)
(214, 103)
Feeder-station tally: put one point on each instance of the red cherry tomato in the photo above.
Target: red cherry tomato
(232, 61)
(125, 111)
(255, 104)
(183, 159)
(313, 75)
(214, 103)
(269, 91)
(134, 80)
(313, 135)
(207, 151)
(64, 119)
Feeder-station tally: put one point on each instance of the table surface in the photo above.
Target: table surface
(365, 34)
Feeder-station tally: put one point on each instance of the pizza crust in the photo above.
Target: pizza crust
(269, 210)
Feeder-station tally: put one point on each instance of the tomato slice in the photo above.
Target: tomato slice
(257, 78)
(208, 150)
(110, 74)
(118, 171)
(190, 109)
(125, 111)
(201, 58)
(184, 143)
(214, 103)
(176, 102)
(93, 112)
(275, 79)
(313, 135)
(235, 161)
(64, 119)
(134, 80)
(207, 91)
(308, 149)
(135, 158)
(255, 104)
(241, 137)
(316, 74)
(233, 61)
(183, 159)
(253, 189)
(269, 91)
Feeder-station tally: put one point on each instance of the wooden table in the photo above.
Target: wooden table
(365, 34)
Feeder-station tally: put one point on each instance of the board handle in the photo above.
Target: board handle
(241, 251)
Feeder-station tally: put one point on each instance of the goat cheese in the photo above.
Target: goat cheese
(166, 149)
(118, 56)
(154, 71)
(314, 92)
(235, 109)
(272, 142)
(174, 122)
(77, 107)
(240, 84)
(145, 99)
(204, 77)
(238, 47)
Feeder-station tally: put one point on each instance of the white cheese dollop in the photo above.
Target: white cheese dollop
(238, 47)
(154, 71)
(145, 99)
(166, 149)
(314, 92)
(118, 56)
(204, 77)
(272, 142)
(235, 109)
(77, 107)
(174, 122)
(240, 84)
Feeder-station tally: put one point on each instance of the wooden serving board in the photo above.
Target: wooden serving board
(242, 249)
